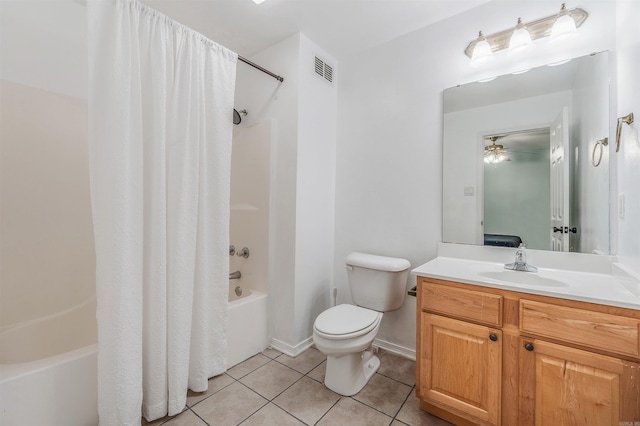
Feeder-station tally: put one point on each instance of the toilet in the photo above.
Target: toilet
(344, 333)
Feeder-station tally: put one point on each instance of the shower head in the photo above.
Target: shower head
(237, 118)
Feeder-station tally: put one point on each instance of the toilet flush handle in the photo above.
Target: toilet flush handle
(349, 267)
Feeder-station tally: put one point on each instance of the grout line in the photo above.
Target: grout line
(271, 401)
(196, 414)
(330, 408)
(214, 393)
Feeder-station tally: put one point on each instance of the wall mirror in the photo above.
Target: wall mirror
(525, 159)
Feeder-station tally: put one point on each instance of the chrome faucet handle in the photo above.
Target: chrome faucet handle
(520, 262)
(244, 252)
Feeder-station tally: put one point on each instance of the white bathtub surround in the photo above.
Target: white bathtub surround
(160, 97)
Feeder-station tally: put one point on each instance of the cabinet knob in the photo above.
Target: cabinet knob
(528, 346)
(493, 337)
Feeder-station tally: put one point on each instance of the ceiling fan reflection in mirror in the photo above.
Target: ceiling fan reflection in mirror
(494, 153)
(530, 142)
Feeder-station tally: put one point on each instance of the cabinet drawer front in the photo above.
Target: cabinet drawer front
(598, 330)
(466, 304)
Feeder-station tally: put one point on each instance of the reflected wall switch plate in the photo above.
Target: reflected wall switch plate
(468, 191)
(621, 205)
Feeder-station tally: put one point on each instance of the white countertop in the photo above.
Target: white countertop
(595, 287)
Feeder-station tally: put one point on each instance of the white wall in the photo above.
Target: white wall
(590, 116)
(628, 159)
(315, 189)
(389, 154)
(303, 113)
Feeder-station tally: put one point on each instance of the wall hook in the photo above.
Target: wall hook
(626, 119)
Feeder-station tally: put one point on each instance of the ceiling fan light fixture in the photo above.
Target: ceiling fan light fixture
(494, 153)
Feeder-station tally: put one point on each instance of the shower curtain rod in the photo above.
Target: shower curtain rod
(264, 70)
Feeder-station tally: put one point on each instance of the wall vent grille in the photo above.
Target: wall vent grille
(323, 70)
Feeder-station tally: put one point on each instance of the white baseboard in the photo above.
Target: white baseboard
(296, 350)
(292, 351)
(396, 349)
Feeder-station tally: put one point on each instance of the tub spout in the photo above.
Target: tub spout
(235, 275)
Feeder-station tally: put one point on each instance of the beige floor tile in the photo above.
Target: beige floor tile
(271, 379)
(383, 393)
(248, 366)
(215, 384)
(162, 420)
(318, 372)
(353, 413)
(157, 422)
(271, 414)
(411, 414)
(305, 362)
(271, 353)
(186, 418)
(307, 400)
(397, 367)
(230, 405)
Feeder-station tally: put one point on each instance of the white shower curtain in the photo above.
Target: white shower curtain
(160, 109)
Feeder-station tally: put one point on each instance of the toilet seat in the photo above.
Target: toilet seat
(346, 321)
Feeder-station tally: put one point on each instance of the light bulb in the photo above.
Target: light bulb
(520, 39)
(481, 51)
(564, 26)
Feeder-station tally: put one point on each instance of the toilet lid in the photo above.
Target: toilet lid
(345, 319)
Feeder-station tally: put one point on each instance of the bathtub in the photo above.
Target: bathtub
(247, 332)
(56, 383)
(48, 370)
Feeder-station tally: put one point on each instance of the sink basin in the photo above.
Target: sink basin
(524, 278)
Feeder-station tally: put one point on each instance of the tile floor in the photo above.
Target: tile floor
(272, 388)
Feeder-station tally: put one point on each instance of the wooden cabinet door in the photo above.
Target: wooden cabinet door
(571, 387)
(461, 367)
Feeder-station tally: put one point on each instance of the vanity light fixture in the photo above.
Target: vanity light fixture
(482, 51)
(520, 39)
(564, 26)
(555, 26)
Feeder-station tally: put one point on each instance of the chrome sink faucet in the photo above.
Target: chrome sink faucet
(520, 263)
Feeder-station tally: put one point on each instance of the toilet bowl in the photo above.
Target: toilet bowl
(345, 333)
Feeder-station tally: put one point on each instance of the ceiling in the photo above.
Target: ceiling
(341, 27)
(533, 140)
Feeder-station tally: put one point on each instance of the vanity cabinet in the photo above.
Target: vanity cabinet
(495, 357)
(568, 386)
(462, 363)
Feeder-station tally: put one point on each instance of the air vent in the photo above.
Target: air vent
(323, 70)
(328, 73)
(319, 67)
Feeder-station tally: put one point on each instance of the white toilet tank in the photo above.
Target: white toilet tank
(377, 282)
